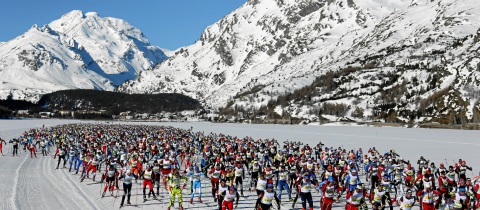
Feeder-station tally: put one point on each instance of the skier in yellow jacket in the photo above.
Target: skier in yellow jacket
(175, 187)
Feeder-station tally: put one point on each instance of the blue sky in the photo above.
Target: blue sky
(167, 23)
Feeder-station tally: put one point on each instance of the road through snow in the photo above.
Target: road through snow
(35, 184)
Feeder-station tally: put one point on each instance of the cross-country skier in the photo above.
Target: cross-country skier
(305, 188)
(427, 199)
(461, 170)
(283, 183)
(197, 184)
(33, 150)
(157, 174)
(239, 176)
(92, 165)
(229, 197)
(61, 152)
(73, 158)
(355, 198)
(127, 186)
(216, 173)
(223, 187)
(175, 188)
(407, 201)
(148, 177)
(265, 199)
(352, 180)
(111, 178)
(1, 145)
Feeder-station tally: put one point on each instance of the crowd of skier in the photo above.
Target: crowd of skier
(171, 160)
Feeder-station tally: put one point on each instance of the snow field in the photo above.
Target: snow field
(35, 184)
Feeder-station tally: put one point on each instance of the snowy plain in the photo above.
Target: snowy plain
(35, 184)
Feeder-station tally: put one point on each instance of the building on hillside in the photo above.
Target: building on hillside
(45, 114)
(65, 113)
(23, 112)
(188, 113)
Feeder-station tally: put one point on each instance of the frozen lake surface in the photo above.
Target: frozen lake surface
(34, 184)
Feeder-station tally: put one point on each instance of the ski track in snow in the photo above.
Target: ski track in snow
(37, 185)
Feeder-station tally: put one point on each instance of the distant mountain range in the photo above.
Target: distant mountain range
(77, 51)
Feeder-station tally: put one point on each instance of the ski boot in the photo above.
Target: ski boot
(200, 199)
(191, 200)
(144, 199)
(103, 194)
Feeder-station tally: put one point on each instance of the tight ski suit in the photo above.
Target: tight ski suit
(175, 188)
(127, 187)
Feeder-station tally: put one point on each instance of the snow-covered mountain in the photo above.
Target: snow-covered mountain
(77, 51)
(405, 55)
(167, 52)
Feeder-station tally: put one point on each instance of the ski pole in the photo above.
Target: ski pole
(115, 198)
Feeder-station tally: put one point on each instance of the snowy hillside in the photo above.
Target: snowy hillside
(392, 58)
(77, 51)
(167, 52)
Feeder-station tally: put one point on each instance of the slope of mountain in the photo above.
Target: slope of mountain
(389, 59)
(167, 52)
(77, 51)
